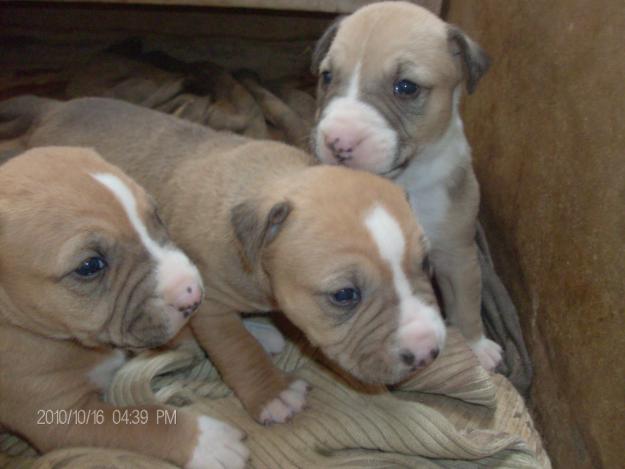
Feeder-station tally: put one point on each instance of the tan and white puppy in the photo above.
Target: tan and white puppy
(338, 251)
(390, 81)
(88, 271)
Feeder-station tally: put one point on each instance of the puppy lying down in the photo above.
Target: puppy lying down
(338, 251)
(87, 271)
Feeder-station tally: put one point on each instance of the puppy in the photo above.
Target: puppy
(338, 251)
(87, 271)
(390, 81)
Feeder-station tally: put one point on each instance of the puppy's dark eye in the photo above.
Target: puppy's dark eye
(89, 268)
(346, 297)
(406, 89)
(326, 77)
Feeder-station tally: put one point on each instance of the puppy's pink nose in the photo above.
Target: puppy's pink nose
(342, 142)
(419, 345)
(185, 296)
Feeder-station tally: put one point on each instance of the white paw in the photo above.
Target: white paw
(488, 353)
(219, 446)
(267, 335)
(286, 405)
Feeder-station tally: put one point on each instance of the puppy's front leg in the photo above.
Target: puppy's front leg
(267, 393)
(188, 440)
(458, 274)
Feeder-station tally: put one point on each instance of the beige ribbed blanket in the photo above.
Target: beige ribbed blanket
(452, 415)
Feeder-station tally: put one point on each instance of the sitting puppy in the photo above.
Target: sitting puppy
(390, 81)
(338, 251)
(86, 272)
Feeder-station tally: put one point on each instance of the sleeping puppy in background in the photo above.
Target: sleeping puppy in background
(339, 252)
(390, 82)
(87, 271)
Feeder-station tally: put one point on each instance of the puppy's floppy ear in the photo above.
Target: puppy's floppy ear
(323, 45)
(474, 60)
(256, 227)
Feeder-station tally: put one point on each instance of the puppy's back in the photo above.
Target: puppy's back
(147, 144)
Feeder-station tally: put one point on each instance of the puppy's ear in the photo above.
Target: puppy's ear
(323, 45)
(474, 60)
(256, 227)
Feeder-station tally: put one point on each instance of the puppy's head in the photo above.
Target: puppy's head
(84, 255)
(389, 79)
(347, 264)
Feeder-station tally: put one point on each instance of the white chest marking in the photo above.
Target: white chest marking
(426, 175)
(431, 209)
(102, 374)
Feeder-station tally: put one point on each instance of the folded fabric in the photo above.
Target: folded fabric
(451, 415)
(346, 423)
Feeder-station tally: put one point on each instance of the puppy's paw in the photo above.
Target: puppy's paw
(267, 335)
(488, 353)
(219, 446)
(290, 402)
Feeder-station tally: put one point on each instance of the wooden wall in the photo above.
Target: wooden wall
(547, 126)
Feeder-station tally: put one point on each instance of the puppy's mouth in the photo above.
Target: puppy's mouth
(150, 330)
(387, 377)
(404, 154)
(396, 169)
(153, 325)
(374, 370)
(399, 161)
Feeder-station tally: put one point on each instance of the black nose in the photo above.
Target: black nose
(407, 357)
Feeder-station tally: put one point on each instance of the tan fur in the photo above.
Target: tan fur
(54, 331)
(391, 41)
(299, 236)
(381, 38)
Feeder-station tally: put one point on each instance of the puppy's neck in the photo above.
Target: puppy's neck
(437, 160)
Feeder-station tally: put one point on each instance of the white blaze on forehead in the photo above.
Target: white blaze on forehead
(354, 83)
(391, 244)
(127, 199)
(172, 263)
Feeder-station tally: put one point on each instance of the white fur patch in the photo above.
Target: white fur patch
(424, 177)
(286, 405)
(102, 374)
(172, 263)
(391, 244)
(488, 352)
(126, 198)
(219, 446)
(354, 83)
(364, 128)
(352, 123)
